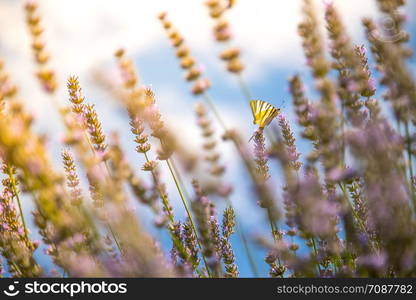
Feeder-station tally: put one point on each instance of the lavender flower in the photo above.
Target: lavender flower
(289, 142)
(228, 223)
(72, 178)
(261, 155)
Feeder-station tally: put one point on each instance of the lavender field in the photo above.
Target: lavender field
(278, 140)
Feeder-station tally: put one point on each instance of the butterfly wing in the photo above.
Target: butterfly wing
(263, 112)
(255, 108)
(268, 116)
(266, 111)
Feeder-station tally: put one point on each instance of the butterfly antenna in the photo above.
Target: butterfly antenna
(254, 133)
(282, 106)
(252, 137)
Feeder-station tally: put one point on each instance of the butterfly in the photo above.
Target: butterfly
(231, 3)
(263, 112)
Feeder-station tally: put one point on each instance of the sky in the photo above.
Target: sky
(82, 37)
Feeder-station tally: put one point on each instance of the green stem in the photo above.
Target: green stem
(16, 194)
(410, 165)
(275, 231)
(162, 195)
(212, 106)
(409, 150)
(185, 205)
(176, 174)
(316, 255)
(165, 201)
(243, 238)
(343, 132)
(246, 91)
(244, 88)
(109, 176)
(181, 182)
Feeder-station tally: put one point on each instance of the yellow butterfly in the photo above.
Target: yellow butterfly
(263, 112)
(231, 3)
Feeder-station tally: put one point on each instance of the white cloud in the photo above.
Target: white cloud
(82, 33)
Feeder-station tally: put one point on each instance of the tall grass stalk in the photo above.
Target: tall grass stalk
(244, 87)
(242, 235)
(188, 212)
(16, 195)
(110, 229)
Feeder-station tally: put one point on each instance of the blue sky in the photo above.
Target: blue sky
(83, 36)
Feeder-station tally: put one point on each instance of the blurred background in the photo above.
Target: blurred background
(82, 37)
